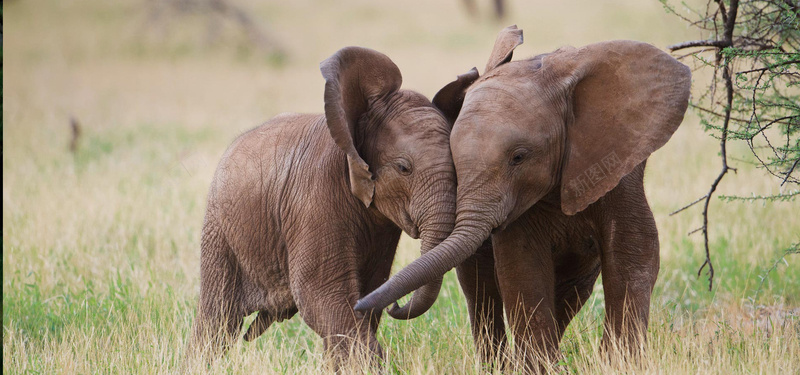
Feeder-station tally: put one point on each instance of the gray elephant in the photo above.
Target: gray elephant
(305, 212)
(550, 154)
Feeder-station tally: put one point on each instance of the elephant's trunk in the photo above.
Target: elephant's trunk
(424, 297)
(472, 228)
(437, 221)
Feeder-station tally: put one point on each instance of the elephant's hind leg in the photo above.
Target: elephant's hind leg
(630, 264)
(629, 274)
(219, 314)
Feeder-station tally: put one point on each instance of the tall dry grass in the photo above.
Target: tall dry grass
(100, 247)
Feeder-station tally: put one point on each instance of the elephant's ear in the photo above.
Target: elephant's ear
(354, 78)
(508, 39)
(450, 98)
(627, 98)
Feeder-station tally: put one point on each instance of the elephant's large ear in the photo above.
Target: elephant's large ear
(450, 98)
(354, 77)
(508, 39)
(627, 100)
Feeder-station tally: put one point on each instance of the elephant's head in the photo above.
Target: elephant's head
(398, 153)
(574, 121)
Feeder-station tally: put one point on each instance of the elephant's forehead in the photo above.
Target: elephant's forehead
(497, 117)
(513, 102)
(418, 133)
(475, 136)
(419, 128)
(420, 119)
(406, 112)
(505, 96)
(481, 140)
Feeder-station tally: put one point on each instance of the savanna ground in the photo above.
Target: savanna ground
(101, 246)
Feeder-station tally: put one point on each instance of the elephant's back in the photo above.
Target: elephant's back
(260, 158)
(246, 197)
(273, 140)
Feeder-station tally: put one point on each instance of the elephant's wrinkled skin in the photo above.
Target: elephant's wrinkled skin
(549, 155)
(305, 212)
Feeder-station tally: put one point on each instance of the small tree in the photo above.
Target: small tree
(754, 94)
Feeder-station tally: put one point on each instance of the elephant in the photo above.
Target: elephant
(305, 211)
(549, 155)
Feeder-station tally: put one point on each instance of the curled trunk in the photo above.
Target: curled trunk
(424, 297)
(471, 230)
(437, 223)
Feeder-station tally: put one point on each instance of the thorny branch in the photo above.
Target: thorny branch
(688, 205)
(763, 33)
(723, 145)
(789, 172)
(730, 22)
(698, 43)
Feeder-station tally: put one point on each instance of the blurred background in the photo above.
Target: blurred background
(115, 114)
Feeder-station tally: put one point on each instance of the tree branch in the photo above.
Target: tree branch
(698, 43)
(726, 76)
(715, 113)
(694, 231)
(789, 172)
(688, 205)
(730, 23)
(769, 67)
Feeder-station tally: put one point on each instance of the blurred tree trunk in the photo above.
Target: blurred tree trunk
(215, 10)
(499, 8)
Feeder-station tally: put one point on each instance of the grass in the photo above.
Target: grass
(101, 247)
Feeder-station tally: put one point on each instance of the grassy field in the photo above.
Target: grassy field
(101, 246)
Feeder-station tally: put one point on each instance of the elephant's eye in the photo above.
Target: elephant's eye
(403, 167)
(517, 157)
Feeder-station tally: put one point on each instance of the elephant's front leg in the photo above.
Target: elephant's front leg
(630, 263)
(326, 283)
(525, 275)
(484, 302)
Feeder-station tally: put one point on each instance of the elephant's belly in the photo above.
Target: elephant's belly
(268, 291)
(265, 275)
(576, 266)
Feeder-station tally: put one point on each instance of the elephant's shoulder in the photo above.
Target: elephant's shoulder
(274, 138)
(284, 126)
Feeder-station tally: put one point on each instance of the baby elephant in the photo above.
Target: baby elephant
(550, 153)
(305, 212)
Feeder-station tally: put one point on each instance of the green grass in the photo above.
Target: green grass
(101, 247)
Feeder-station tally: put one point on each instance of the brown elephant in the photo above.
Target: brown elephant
(305, 212)
(549, 155)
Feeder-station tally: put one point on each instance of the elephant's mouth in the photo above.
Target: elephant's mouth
(503, 224)
(413, 232)
(501, 227)
(408, 226)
